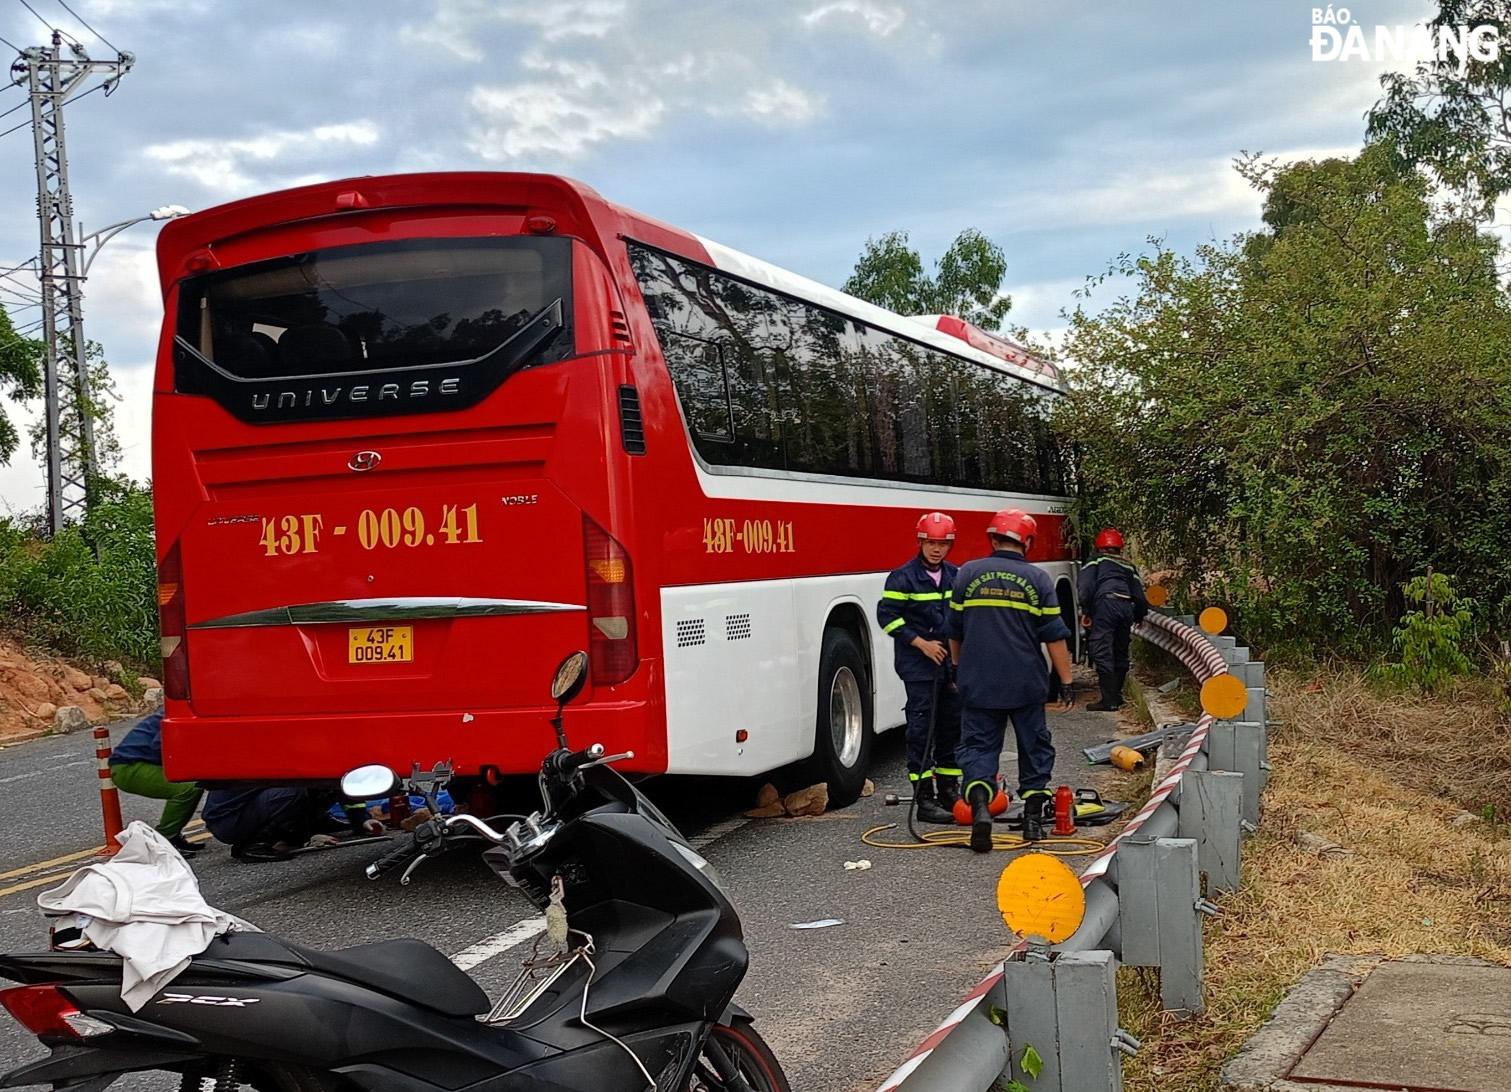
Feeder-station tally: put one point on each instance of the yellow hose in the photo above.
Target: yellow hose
(1057, 847)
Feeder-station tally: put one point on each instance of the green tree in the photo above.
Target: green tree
(103, 395)
(20, 379)
(1451, 114)
(1429, 642)
(1305, 415)
(967, 280)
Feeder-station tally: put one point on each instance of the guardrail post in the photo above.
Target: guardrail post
(1086, 1004)
(1250, 671)
(1030, 987)
(1211, 804)
(1239, 746)
(1158, 895)
(1066, 1009)
(1179, 887)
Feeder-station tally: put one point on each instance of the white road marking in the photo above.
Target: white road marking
(489, 947)
(528, 929)
(717, 831)
(43, 773)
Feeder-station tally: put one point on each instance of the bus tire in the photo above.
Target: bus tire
(845, 722)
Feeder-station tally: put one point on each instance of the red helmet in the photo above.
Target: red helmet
(1014, 523)
(936, 525)
(1110, 539)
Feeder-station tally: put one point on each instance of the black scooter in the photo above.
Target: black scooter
(630, 987)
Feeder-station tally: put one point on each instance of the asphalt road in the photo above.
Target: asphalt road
(841, 1006)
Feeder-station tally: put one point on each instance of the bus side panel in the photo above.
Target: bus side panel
(817, 599)
(732, 663)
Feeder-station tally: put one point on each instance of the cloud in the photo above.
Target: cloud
(879, 21)
(224, 165)
(779, 103)
(138, 10)
(457, 25)
(1149, 194)
(541, 119)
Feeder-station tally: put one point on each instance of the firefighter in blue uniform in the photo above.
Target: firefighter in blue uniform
(1002, 611)
(1112, 602)
(914, 612)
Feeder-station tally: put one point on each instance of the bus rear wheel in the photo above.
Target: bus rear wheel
(842, 734)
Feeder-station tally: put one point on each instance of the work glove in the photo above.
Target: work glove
(1062, 693)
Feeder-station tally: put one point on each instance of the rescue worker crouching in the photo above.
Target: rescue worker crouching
(1002, 610)
(914, 612)
(1112, 602)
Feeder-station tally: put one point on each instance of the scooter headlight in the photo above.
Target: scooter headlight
(698, 861)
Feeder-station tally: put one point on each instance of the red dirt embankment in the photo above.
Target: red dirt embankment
(33, 688)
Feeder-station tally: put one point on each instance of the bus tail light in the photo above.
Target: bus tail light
(612, 648)
(170, 609)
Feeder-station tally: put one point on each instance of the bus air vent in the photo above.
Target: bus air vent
(737, 627)
(619, 327)
(631, 428)
(690, 631)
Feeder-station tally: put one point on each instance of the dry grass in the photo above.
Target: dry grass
(1369, 773)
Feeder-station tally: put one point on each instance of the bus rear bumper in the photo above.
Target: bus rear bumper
(322, 748)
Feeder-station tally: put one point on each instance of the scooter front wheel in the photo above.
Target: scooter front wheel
(737, 1059)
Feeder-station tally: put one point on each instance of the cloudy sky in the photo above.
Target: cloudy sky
(790, 129)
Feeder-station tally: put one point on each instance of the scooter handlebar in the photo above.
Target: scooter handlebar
(408, 847)
(570, 763)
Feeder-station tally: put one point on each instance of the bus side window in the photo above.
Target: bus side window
(756, 404)
(697, 368)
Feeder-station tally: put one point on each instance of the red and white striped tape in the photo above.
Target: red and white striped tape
(1204, 662)
(926, 1048)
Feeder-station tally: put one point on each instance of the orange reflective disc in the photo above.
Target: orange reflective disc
(1224, 696)
(1039, 895)
(1213, 620)
(1157, 596)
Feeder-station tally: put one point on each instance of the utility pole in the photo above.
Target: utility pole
(53, 76)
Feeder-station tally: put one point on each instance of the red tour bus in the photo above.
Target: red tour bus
(417, 437)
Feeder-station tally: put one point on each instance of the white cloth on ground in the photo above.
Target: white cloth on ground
(145, 906)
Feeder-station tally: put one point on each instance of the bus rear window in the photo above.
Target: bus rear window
(397, 313)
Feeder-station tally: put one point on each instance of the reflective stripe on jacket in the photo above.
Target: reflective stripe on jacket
(1106, 575)
(1003, 610)
(912, 605)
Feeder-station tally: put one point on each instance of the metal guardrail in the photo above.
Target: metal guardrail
(1144, 905)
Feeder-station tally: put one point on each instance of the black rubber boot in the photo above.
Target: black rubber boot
(1118, 679)
(1036, 802)
(1108, 702)
(926, 803)
(981, 818)
(946, 790)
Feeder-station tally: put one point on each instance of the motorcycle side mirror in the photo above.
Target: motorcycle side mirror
(570, 678)
(369, 783)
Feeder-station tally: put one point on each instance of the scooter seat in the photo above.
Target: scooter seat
(407, 969)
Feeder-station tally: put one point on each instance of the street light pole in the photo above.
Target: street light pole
(97, 239)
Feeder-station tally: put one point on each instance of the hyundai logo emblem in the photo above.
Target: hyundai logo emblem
(364, 460)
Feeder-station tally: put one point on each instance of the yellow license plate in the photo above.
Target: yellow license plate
(380, 645)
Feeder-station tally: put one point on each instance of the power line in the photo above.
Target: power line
(33, 10)
(87, 27)
(12, 44)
